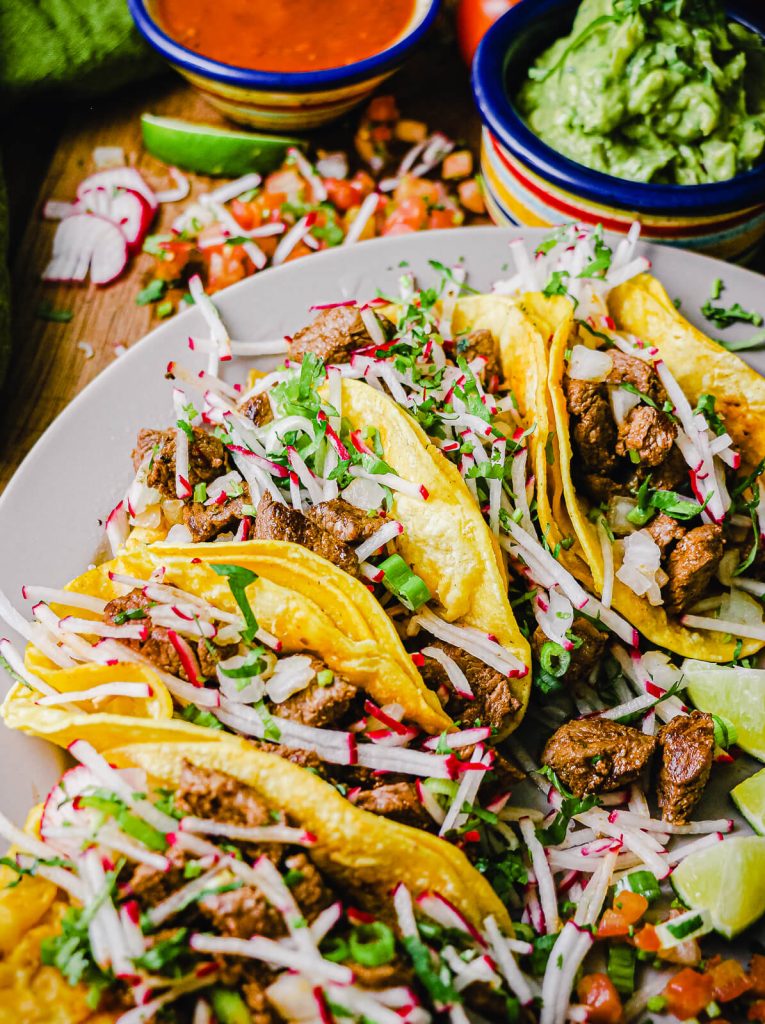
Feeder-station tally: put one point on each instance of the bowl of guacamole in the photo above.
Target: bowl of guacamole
(648, 109)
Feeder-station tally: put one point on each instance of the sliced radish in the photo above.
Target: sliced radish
(125, 207)
(119, 177)
(86, 241)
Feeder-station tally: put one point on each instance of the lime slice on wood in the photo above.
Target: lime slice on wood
(727, 880)
(205, 149)
(749, 797)
(737, 694)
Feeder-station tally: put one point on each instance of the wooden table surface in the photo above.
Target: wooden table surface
(48, 369)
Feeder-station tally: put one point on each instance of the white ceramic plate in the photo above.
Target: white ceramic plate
(51, 513)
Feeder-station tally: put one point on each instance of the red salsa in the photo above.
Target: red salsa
(286, 35)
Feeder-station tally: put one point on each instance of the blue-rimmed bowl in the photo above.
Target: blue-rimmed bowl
(282, 100)
(529, 182)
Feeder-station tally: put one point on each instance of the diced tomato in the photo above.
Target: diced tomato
(301, 249)
(757, 975)
(286, 181)
(247, 215)
(409, 187)
(362, 184)
(729, 980)
(688, 993)
(411, 131)
(628, 908)
(226, 266)
(647, 939)
(411, 215)
(445, 218)
(382, 133)
(757, 1011)
(340, 193)
(597, 993)
(471, 196)
(457, 165)
(174, 257)
(382, 108)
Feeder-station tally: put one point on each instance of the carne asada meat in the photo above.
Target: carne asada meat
(480, 343)
(398, 801)
(334, 336)
(665, 531)
(206, 522)
(687, 745)
(158, 647)
(691, 567)
(275, 521)
(258, 409)
(153, 886)
(208, 458)
(585, 657)
(344, 521)
(638, 373)
(206, 793)
(493, 698)
(593, 428)
(243, 912)
(319, 706)
(596, 755)
(254, 992)
(649, 432)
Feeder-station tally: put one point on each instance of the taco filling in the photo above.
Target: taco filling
(207, 897)
(664, 485)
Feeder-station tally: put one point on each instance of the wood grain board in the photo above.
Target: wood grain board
(48, 368)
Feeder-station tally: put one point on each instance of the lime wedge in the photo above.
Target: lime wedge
(737, 694)
(749, 797)
(205, 149)
(727, 880)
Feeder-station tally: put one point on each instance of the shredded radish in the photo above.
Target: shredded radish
(295, 235)
(364, 214)
(211, 316)
(547, 897)
(234, 189)
(138, 691)
(178, 192)
(473, 641)
(456, 676)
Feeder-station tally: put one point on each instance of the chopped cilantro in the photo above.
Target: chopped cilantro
(47, 311)
(153, 292)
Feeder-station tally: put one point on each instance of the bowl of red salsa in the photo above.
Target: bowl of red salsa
(284, 64)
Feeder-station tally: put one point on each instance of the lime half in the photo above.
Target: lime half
(737, 694)
(727, 880)
(205, 149)
(749, 797)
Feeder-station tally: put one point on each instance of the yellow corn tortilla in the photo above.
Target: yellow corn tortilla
(700, 366)
(365, 855)
(651, 621)
(300, 623)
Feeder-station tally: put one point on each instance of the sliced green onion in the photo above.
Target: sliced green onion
(621, 969)
(403, 583)
(656, 1004)
(335, 949)
(372, 944)
(554, 659)
(690, 925)
(200, 492)
(229, 1007)
(441, 787)
(325, 677)
(272, 731)
(641, 882)
(726, 733)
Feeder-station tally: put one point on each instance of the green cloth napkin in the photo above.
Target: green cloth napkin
(70, 49)
(78, 47)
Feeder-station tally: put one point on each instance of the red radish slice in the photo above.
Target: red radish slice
(119, 177)
(85, 242)
(124, 207)
(60, 809)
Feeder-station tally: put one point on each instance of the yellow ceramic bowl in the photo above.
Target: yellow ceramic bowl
(282, 100)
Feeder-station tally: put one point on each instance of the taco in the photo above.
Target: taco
(316, 455)
(171, 644)
(666, 510)
(193, 878)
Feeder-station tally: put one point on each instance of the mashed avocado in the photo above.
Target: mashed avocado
(652, 90)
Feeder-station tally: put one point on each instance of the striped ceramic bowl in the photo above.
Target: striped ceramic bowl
(282, 100)
(528, 182)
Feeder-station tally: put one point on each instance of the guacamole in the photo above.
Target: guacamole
(652, 90)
